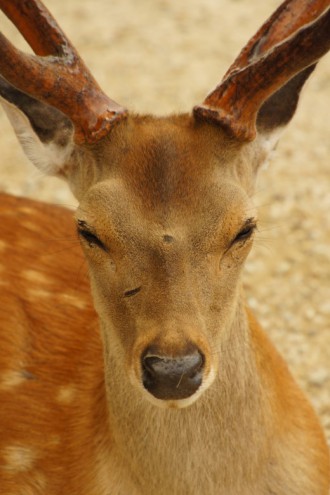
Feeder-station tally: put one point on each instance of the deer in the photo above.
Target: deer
(151, 375)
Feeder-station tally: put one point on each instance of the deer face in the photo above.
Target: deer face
(166, 229)
(165, 216)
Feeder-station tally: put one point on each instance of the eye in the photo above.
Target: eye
(91, 239)
(245, 233)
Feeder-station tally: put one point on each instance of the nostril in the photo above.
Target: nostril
(163, 366)
(172, 378)
(154, 364)
(197, 365)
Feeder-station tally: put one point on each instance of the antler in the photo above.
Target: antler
(293, 38)
(57, 76)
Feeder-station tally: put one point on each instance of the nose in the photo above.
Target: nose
(172, 378)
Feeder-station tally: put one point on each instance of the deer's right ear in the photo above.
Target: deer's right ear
(58, 83)
(45, 133)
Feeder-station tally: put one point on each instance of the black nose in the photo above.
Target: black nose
(172, 378)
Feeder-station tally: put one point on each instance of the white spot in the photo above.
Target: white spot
(32, 226)
(66, 394)
(74, 300)
(28, 210)
(36, 293)
(19, 458)
(35, 276)
(10, 379)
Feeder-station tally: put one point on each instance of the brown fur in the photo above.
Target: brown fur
(73, 425)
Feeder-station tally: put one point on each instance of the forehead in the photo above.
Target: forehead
(170, 171)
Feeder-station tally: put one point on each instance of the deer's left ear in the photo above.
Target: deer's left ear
(45, 133)
(259, 93)
(278, 110)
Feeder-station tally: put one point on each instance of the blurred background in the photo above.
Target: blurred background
(164, 56)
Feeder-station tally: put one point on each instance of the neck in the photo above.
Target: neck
(224, 423)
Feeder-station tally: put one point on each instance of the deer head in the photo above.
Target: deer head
(166, 218)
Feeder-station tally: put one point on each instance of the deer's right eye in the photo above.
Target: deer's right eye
(91, 239)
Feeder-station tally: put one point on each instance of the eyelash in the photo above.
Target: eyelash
(245, 233)
(91, 239)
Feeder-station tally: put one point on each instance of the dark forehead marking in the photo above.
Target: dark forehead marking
(169, 163)
(155, 177)
(164, 170)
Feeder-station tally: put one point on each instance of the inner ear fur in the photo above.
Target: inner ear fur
(45, 133)
(280, 107)
(48, 123)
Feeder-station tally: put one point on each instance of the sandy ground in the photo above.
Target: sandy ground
(163, 56)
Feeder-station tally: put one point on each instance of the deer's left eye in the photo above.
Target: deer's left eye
(245, 233)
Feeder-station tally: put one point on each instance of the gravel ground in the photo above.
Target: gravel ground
(163, 56)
